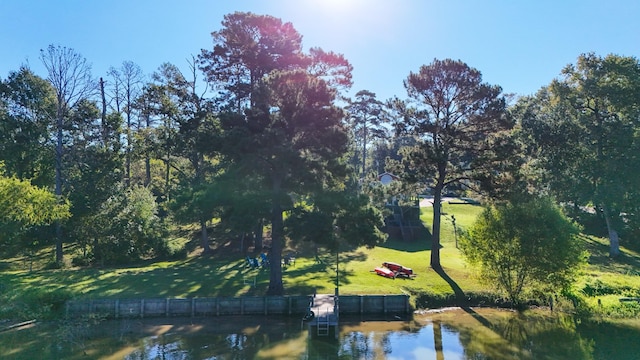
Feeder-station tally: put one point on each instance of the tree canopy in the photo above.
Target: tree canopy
(582, 130)
(457, 121)
(368, 118)
(282, 127)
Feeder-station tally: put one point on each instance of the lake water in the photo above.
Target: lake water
(447, 334)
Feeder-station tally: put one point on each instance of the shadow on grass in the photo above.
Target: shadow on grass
(199, 276)
(461, 298)
(196, 277)
(628, 262)
(422, 243)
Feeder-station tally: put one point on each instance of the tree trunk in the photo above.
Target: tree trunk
(147, 157)
(614, 244)
(435, 229)
(127, 162)
(277, 238)
(58, 190)
(167, 175)
(258, 236)
(105, 129)
(364, 151)
(204, 237)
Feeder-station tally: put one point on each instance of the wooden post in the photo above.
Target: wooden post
(193, 306)
(384, 304)
(117, 308)
(361, 304)
(166, 307)
(142, 309)
(406, 304)
(217, 306)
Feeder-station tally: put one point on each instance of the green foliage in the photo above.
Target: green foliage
(581, 137)
(24, 207)
(433, 300)
(36, 303)
(366, 119)
(425, 299)
(524, 244)
(283, 135)
(129, 228)
(27, 103)
(598, 288)
(92, 171)
(627, 310)
(336, 218)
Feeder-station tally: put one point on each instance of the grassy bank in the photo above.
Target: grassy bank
(25, 293)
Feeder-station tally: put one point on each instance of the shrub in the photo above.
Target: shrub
(41, 304)
(81, 260)
(598, 288)
(54, 265)
(131, 229)
(431, 300)
(627, 309)
(54, 300)
(513, 251)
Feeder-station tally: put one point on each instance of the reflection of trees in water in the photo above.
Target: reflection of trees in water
(524, 337)
(205, 346)
(371, 345)
(545, 336)
(357, 345)
(484, 334)
(437, 340)
(612, 340)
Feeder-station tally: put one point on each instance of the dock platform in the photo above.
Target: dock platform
(326, 315)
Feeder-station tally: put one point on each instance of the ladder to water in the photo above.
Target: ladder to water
(323, 325)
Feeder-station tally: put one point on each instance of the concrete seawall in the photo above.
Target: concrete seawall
(220, 306)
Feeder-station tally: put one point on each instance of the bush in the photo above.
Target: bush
(512, 251)
(54, 300)
(176, 252)
(627, 309)
(81, 260)
(41, 304)
(131, 229)
(598, 288)
(54, 265)
(431, 300)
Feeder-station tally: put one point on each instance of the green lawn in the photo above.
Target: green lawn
(227, 275)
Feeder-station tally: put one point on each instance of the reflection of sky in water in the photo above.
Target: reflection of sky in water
(421, 345)
(393, 345)
(154, 348)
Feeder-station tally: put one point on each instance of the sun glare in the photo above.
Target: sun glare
(347, 16)
(337, 4)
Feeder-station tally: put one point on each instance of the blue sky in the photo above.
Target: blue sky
(520, 45)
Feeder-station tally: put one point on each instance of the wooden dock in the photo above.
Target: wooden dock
(326, 315)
